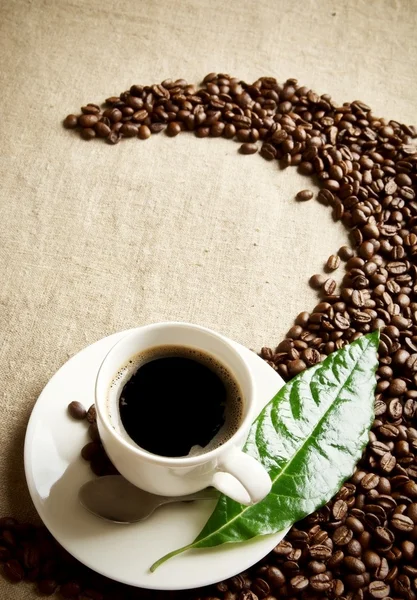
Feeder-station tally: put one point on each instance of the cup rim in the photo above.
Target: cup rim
(178, 461)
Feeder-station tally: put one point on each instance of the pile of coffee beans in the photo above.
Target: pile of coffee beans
(362, 544)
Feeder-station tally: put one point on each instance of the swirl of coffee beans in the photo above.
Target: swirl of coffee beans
(361, 545)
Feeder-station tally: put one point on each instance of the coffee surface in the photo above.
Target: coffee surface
(179, 399)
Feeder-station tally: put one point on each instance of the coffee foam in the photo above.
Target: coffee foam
(234, 402)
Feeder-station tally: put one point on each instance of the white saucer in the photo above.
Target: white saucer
(55, 471)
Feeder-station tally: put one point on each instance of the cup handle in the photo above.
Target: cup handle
(242, 478)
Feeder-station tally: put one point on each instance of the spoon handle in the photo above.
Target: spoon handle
(206, 494)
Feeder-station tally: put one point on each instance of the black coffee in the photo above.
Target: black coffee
(179, 398)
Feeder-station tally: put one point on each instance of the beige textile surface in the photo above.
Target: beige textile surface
(95, 239)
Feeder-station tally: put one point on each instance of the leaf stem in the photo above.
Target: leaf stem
(159, 562)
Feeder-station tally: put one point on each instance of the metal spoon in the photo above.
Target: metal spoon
(115, 499)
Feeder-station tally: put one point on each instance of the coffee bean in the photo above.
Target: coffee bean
(345, 252)
(77, 410)
(384, 535)
(378, 589)
(114, 138)
(412, 511)
(144, 132)
(320, 552)
(93, 433)
(370, 481)
(355, 525)
(402, 523)
(283, 548)
(47, 586)
(354, 581)
(299, 583)
(333, 262)
(248, 148)
(275, 577)
(304, 195)
(320, 582)
(354, 565)
(340, 509)
(87, 121)
(174, 128)
(88, 133)
(342, 536)
(317, 281)
(315, 567)
(70, 122)
(90, 450)
(260, 587)
(371, 560)
(329, 286)
(91, 414)
(156, 127)
(354, 548)
(129, 130)
(102, 130)
(31, 557)
(13, 570)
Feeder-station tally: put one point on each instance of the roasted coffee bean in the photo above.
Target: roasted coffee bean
(412, 511)
(91, 414)
(333, 262)
(354, 548)
(174, 128)
(102, 130)
(77, 410)
(129, 130)
(342, 536)
(93, 433)
(87, 133)
(13, 570)
(283, 548)
(354, 565)
(320, 582)
(317, 281)
(354, 581)
(114, 138)
(371, 560)
(345, 252)
(248, 148)
(90, 450)
(304, 195)
(329, 286)
(47, 586)
(320, 552)
(275, 577)
(355, 525)
(402, 523)
(378, 589)
(144, 132)
(384, 536)
(87, 121)
(31, 557)
(339, 510)
(299, 583)
(70, 122)
(370, 481)
(260, 587)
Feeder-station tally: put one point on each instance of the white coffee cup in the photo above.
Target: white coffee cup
(226, 467)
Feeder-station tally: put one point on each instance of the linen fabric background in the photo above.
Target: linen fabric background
(96, 238)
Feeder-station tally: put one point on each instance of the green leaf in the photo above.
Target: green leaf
(309, 438)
